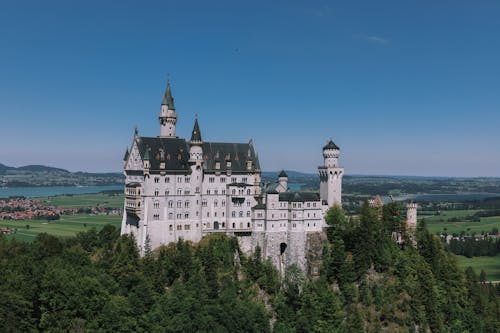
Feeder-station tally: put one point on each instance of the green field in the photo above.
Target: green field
(491, 266)
(86, 200)
(67, 226)
(437, 223)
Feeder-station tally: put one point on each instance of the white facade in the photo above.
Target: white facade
(187, 189)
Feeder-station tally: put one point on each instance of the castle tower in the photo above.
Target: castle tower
(330, 175)
(167, 116)
(282, 182)
(196, 163)
(411, 216)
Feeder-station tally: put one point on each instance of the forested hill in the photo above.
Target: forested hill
(40, 175)
(97, 282)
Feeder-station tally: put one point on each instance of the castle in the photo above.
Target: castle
(176, 189)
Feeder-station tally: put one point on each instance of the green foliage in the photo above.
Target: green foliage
(98, 282)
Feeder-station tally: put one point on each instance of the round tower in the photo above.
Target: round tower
(411, 216)
(282, 181)
(167, 116)
(330, 175)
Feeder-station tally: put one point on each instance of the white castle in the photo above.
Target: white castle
(188, 189)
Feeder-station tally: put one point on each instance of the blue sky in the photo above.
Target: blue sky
(403, 87)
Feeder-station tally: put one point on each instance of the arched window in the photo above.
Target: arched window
(170, 204)
(241, 214)
(233, 214)
(248, 191)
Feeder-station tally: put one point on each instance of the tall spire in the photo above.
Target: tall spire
(167, 98)
(196, 134)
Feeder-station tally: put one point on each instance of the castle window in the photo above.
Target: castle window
(233, 225)
(248, 192)
(167, 179)
(157, 192)
(215, 203)
(294, 225)
(179, 216)
(294, 205)
(211, 179)
(186, 204)
(248, 225)
(170, 216)
(208, 191)
(208, 225)
(216, 192)
(179, 227)
(167, 192)
(308, 204)
(156, 204)
(222, 179)
(215, 214)
(170, 228)
(223, 203)
(179, 204)
(241, 214)
(186, 192)
(233, 179)
(308, 224)
(248, 214)
(241, 225)
(170, 204)
(223, 224)
(197, 213)
(314, 204)
(197, 189)
(157, 179)
(233, 214)
(204, 202)
(294, 215)
(186, 215)
(208, 214)
(187, 180)
(224, 192)
(179, 179)
(222, 214)
(244, 180)
(248, 203)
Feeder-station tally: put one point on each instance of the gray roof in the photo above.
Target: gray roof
(330, 145)
(299, 196)
(282, 174)
(168, 99)
(236, 153)
(176, 154)
(196, 133)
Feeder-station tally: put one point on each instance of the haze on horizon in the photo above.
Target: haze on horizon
(404, 88)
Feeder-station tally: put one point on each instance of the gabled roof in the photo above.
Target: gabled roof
(127, 154)
(282, 174)
(330, 145)
(175, 152)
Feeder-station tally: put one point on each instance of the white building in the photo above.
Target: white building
(187, 189)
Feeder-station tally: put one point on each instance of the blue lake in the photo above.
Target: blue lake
(31, 192)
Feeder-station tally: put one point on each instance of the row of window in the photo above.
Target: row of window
(181, 179)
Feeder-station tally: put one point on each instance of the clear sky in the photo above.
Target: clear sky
(403, 87)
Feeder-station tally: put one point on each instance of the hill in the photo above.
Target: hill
(41, 175)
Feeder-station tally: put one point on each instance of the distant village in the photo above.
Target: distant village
(21, 208)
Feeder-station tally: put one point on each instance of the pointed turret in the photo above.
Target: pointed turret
(167, 98)
(167, 116)
(196, 134)
(195, 144)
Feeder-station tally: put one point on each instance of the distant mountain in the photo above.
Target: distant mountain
(40, 168)
(41, 175)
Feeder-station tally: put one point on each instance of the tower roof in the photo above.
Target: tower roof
(196, 134)
(330, 145)
(282, 174)
(167, 98)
